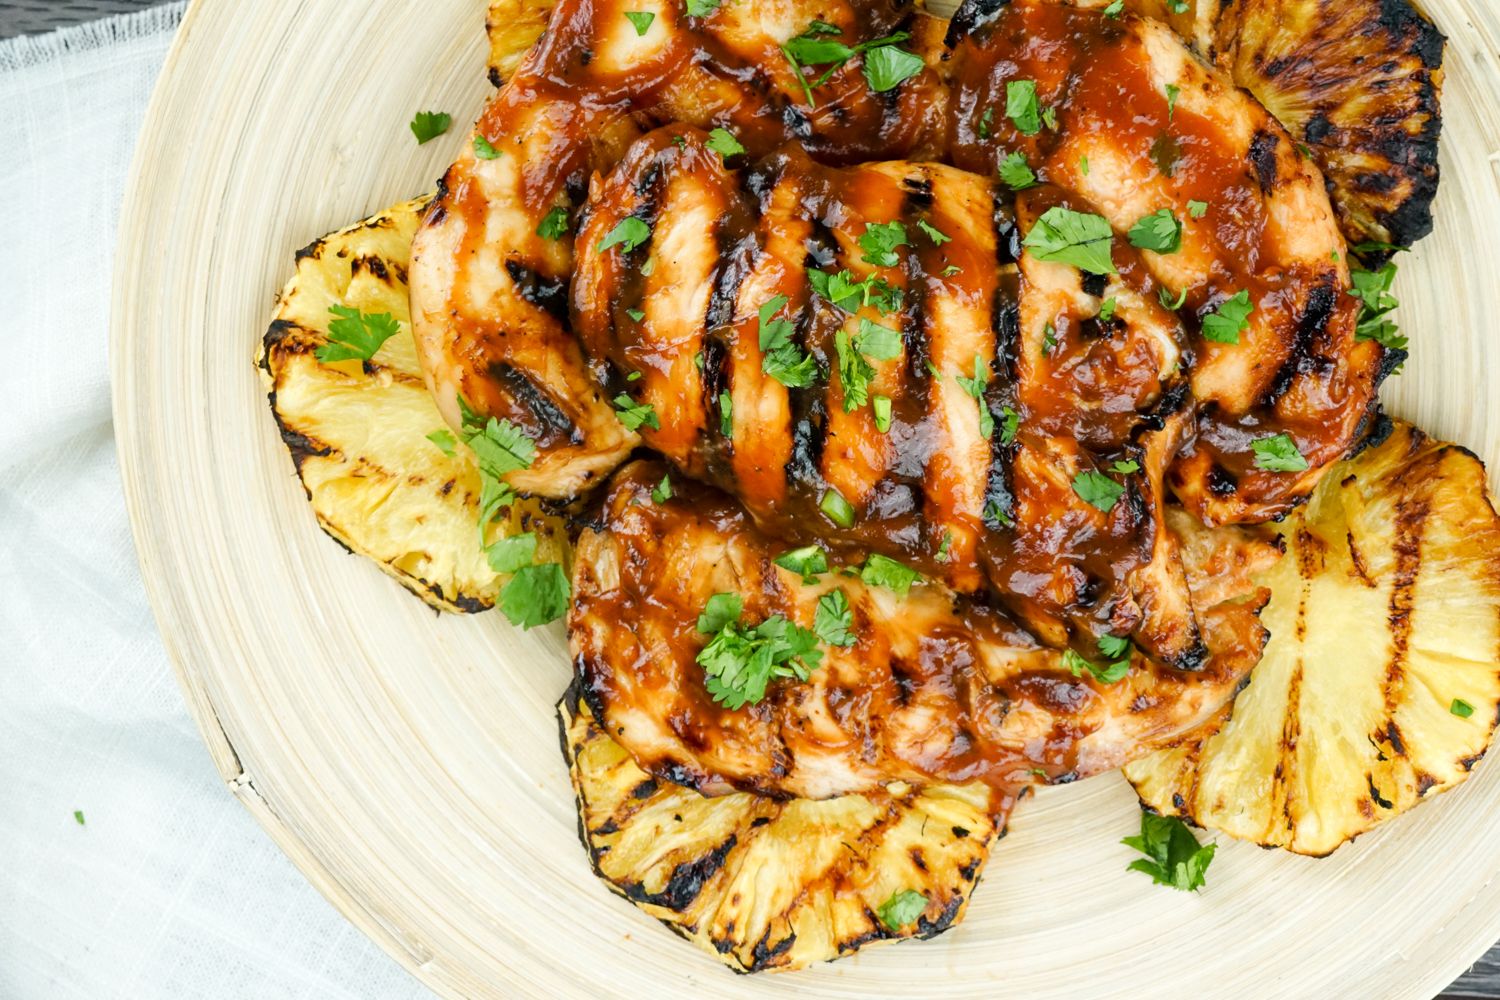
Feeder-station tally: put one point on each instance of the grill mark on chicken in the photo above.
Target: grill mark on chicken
(540, 417)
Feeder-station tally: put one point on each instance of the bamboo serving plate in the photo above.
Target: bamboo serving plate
(409, 764)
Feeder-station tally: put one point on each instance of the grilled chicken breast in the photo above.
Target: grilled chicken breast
(491, 263)
(931, 688)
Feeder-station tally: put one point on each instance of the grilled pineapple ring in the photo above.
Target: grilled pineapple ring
(357, 433)
(765, 884)
(1379, 687)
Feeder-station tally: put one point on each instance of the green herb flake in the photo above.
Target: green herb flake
(1083, 165)
(554, 225)
(633, 415)
(428, 125)
(836, 508)
(1164, 296)
(509, 555)
(1097, 490)
(635, 314)
(640, 20)
(975, 387)
(484, 150)
(1173, 92)
(1125, 467)
(1075, 238)
(1160, 232)
(1278, 453)
(721, 610)
(1022, 107)
(536, 595)
(662, 491)
(880, 571)
(1173, 855)
(701, 8)
(902, 909)
(355, 336)
(781, 357)
(1107, 673)
(880, 406)
(78, 816)
(726, 414)
(987, 123)
(740, 661)
(1115, 9)
(1224, 324)
(1373, 289)
(1107, 309)
(1197, 209)
(937, 236)
(1009, 424)
(833, 621)
(444, 441)
(879, 242)
(1458, 707)
(945, 547)
(628, 234)
(723, 142)
(1015, 173)
(808, 562)
(887, 67)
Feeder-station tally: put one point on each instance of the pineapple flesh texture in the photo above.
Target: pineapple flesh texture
(357, 431)
(513, 26)
(1379, 687)
(766, 884)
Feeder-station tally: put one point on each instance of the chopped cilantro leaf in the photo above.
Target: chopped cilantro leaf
(1161, 231)
(1075, 238)
(879, 242)
(356, 336)
(781, 357)
(637, 315)
(1173, 92)
(1224, 324)
(934, 234)
(633, 414)
(1107, 309)
(1125, 466)
(975, 387)
(554, 224)
(1278, 453)
(878, 342)
(1009, 424)
(879, 571)
(701, 8)
(662, 491)
(1016, 173)
(901, 909)
(1097, 490)
(986, 123)
(723, 142)
(443, 439)
(428, 125)
(536, 595)
(887, 67)
(1115, 8)
(1164, 296)
(837, 509)
(78, 816)
(740, 661)
(849, 295)
(833, 621)
(1114, 646)
(721, 610)
(628, 234)
(483, 149)
(1108, 673)
(508, 555)
(1197, 209)
(945, 547)
(1457, 707)
(1022, 107)
(1373, 289)
(640, 20)
(1173, 855)
(880, 406)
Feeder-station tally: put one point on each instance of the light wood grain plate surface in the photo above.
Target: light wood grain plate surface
(409, 764)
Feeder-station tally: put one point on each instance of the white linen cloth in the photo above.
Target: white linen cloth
(169, 888)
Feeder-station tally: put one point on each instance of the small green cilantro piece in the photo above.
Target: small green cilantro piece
(726, 414)
(1107, 309)
(1108, 673)
(628, 234)
(887, 67)
(1457, 707)
(536, 595)
(937, 236)
(723, 142)
(1114, 646)
(721, 610)
(640, 20)
(483, 149)
(1016, 173)
(428, 125)
(1173, 855)
(1083, 165)
(662, 491)
(554, 224)
(740, 661)
(945, 547)
(1197, 209)
(701, 8)
(356, 336)
(443, 439)
(1164, 296)
(1075, 238)
(633, 414)
(833, 621)
(879, 242)
(1022, 107)
(880, 406)
(1224, 324)
(637, 315)
(879, 571)
(781, 357)
(509, 554)
(1161, 232)
(975, 387)
(78, 816)
(807, 561)
(1173, 92)
(986, 123)
(1115, 8)
(1278, 453)
(1373, 289)
(901, 909)
(849, 295)
(1125, 466)
(1010, 423)
(836, 508)
(1097, 490)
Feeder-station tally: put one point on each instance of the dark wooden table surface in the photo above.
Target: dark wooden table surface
(22, 17)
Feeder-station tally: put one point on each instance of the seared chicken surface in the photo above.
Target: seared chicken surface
(931, 688)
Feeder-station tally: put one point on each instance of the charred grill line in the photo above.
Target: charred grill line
(545, 421)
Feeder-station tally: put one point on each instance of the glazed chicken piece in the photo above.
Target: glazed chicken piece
(929, 688)
(922, 424)
(491, 262)
(1140, 127)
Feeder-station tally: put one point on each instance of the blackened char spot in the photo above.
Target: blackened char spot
(1221, 482)
(1094, 284)
(686, 881)
(1263, 159)
(545, 293)
(1310, 328)
(971, 16)
(544, 419)
(1318, 127)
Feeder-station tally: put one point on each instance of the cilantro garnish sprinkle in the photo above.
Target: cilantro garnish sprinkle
(1097, 490)
(808, 561)
(554, 224)
(1225, 323)
(1173, 855)
(662, 491)
(1075, 238)
(483, 149)
(443, 439)
(1457, 707)
(1022, 107)
(1016, 173)
(833, 622)
(1278, 453)
(633, 414)
(355, 336)
(1373, 289)
(879, 242)
(428, 125)
(880, 571)
(975, 387)
(885, 65)
(1161, 231)
(901, 909)
(723, 142)
(628, 234)
(740, 661)
(640, 20)
(781, 357)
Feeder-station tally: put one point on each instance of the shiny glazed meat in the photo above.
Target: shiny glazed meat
(934, 688)
(970, 481)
